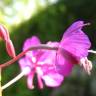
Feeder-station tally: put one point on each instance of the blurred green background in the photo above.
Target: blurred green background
(47, 19)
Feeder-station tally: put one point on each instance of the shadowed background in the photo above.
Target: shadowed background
(47, 19)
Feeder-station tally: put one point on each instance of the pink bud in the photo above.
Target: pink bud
(9, 45)
(4, 33)
(10, 48)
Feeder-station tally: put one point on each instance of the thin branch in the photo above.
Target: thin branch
(41, 46)
(13, 81)
(25, 71)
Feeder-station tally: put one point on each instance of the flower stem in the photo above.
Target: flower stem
(41, 46)
(13, 81)
(25, 71)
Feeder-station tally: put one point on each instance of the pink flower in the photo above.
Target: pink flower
(41, 63)
(73, 49)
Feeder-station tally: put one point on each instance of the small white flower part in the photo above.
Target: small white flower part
(86, 64)
(39, 71)
(33, 59)
(92, 51)
(26, 70)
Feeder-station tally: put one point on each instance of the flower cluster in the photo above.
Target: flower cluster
(51, 66)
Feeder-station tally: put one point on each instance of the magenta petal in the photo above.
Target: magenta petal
(40, 83)
(76, 41)
(30, 81)
(64, 62)
(65, 69)
(33, 41)
(25, 62)
(47, 61)
(73, 46)
(48, 68)
(48, 56)
(52, 79)
(53, 44)
(73, 28)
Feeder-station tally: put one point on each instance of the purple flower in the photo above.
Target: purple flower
(73, 49)
(41, 63)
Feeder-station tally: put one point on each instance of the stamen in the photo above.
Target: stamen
(86, 64)
(87, 24)
(92, 51)
(34, 59)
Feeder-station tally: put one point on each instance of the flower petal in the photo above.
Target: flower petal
(75, 40)
(48, 68)
(52, 79)
(64, 62)
(73, 46)
(48, 56)
(24, 62)
(30, 81)
(29, 43)
(47, 61)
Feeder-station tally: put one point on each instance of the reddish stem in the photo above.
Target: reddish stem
(41, 46)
